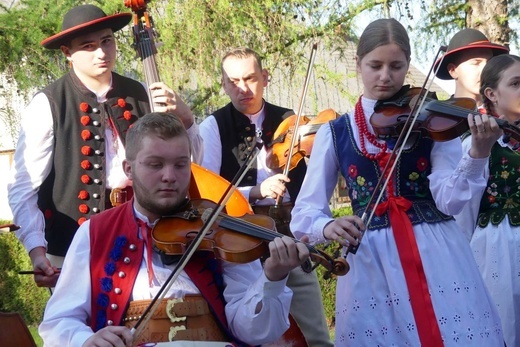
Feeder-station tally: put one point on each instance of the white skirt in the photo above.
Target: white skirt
(372, 303)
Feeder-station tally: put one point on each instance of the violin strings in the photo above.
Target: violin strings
(258, 231)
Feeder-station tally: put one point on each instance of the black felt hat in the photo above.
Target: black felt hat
(461, 41)
(84, 19)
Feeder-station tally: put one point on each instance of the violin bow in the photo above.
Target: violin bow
(192, 247)
(298, 117)
(391, 164)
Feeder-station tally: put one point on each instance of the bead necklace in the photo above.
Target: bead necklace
(361, 122)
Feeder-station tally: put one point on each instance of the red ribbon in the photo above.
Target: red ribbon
(146, 234)
(422, 307)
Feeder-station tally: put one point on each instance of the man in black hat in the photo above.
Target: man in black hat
(68, 161)
(467, 54)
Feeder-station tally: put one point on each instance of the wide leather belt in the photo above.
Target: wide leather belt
(188, 319)
(281, 215)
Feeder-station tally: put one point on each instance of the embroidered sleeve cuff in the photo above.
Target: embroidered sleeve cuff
(472, 167)
(317, 231)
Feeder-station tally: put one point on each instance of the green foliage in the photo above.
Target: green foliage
(19, 293)
(328, 285)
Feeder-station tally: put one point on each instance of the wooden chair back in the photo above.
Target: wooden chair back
(14, 331)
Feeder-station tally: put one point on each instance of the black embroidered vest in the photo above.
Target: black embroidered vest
(75, 187)
(237, 135)
(501, 195)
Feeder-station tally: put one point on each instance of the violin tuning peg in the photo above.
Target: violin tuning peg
(506, 138)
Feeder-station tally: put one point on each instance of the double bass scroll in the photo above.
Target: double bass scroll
(144, 40)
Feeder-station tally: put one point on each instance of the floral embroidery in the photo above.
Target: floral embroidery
(417, 180)
(361, 189)
(503, 191)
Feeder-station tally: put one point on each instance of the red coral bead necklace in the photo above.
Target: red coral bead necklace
(361, 122)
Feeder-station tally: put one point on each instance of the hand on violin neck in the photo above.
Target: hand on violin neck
(484, 133)
(285, 254)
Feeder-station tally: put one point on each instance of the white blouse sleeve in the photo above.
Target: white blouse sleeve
(311, 212)
(32, 164)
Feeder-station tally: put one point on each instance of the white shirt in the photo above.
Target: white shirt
(68, 310)
(33, 162)
(213, 154)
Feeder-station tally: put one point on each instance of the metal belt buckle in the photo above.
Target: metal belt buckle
(117, 196)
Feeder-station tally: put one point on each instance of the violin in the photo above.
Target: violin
(233, 239)
(438, 120)
(278, 152)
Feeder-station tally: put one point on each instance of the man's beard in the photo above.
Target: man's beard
(147, 201)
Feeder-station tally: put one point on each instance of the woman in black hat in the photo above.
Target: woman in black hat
(71, 145)
(467, 54)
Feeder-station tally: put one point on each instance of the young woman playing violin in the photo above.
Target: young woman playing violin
(495, 208)
(413, 280)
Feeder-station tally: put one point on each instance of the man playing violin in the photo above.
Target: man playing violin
(112, 264)
(67, 165)
(229, 133)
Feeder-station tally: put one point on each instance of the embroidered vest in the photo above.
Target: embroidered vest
(411, 176)
(237, 135)
(500, 198)
(75, 188)
(116, 255)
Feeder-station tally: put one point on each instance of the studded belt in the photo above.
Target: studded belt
(188, 319)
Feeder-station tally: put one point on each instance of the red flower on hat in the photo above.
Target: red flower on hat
(127, 115)
(83, 208)
(86, 150)
(85, 179)
(82, 220)
(84, 107)
(83, 195)
(86, 135)
(85, 164)
(85, 120)
(121, 103)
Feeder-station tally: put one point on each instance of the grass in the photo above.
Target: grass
(36, 337)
